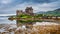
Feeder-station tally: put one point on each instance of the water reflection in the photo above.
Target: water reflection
(4, 20)
(10, 27)
(39, 28)
(6, 25)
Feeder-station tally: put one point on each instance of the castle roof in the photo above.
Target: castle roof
(27, 8)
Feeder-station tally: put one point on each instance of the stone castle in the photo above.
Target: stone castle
(28, 11)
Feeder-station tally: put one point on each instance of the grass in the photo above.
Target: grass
(26, 21)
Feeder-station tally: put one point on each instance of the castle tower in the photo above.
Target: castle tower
(18, 12)
(29, 10)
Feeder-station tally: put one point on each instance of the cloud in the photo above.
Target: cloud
(5, 1)
(22, 4)
(38, 7)
(38, 1)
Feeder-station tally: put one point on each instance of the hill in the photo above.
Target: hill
(55, 12)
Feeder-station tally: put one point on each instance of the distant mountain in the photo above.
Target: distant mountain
(57, 9)
(41, 12)
(55, 12)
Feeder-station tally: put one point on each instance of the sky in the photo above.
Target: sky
(10, 6)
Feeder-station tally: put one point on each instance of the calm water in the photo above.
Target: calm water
(5, 24)
(4, 20)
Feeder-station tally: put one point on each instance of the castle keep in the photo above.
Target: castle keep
(28, 11)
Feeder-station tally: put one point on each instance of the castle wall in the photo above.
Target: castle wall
(28, 11)
(18, 12)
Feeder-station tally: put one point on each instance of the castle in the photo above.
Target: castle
(28, 11)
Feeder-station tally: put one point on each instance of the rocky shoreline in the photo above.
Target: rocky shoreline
(37, 28)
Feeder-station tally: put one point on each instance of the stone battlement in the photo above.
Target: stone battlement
(28, 10)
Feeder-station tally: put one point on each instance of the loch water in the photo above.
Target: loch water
(4, 23)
